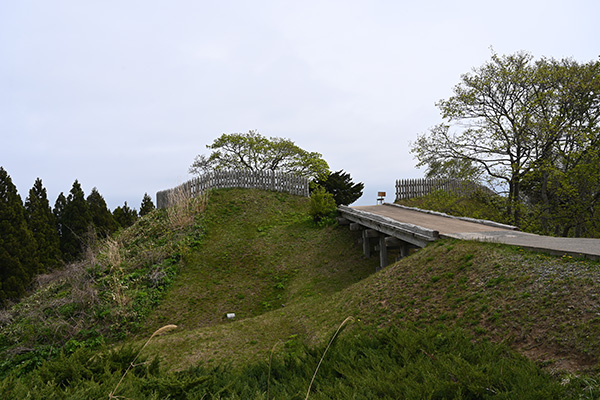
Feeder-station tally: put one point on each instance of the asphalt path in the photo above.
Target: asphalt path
(486, 231)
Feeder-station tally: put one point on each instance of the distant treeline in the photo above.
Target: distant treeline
(35, 238)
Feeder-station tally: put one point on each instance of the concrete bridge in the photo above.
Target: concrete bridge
(391, 228)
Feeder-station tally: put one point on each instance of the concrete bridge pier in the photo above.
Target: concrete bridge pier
(382, 235)
(381, 243)
(402, 246)
(367, 235)
(398, 247)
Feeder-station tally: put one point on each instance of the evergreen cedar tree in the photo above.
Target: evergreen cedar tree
(340, 185)
(42, 223)
(58, 211)
(18, 250)
(125, 216)
(102, 219)
(147, 205)
(75, 221)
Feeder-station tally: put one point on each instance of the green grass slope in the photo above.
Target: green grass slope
(444, 322)
(545, 307)
(261, 252)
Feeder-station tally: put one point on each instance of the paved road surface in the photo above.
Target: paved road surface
(461, 229)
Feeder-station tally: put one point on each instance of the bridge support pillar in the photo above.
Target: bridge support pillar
(404, 250)
(402, 247)
(367, 234)
(383, 253)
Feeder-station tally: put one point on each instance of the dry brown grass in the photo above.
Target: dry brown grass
(112, 254)
(184, 208)
(77, 277)
(112, 251)
(41, 317)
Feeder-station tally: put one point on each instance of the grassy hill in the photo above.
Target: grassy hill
(261, 254)
(453, 320)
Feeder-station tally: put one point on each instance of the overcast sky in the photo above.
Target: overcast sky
(122, 95)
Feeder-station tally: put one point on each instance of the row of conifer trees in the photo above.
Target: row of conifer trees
(35, 238)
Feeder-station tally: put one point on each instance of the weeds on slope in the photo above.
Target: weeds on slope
(103, 297)
(362, 363)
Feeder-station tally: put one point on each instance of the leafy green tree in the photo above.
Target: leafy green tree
(511, 119)
(75, 223)
(252, 151)
(125, 216)
(340, 185)
(18, 250)
(42, 223)
(565, 196)
(460, 169)
(564, 185)
(102, 218)
(490, 109)
(147, 205)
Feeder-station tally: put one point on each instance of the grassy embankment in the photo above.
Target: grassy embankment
(290, 285)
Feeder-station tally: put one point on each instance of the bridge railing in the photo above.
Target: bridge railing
(266, 180)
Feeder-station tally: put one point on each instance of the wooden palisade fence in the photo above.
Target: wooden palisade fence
(266, 180)
(409, 188)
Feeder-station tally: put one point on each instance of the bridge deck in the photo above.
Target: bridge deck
(446, 226)
(480, 230)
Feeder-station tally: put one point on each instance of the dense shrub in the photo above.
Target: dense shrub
(322, 206)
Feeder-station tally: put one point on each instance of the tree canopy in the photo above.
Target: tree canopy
(252, 151)
(528, 126)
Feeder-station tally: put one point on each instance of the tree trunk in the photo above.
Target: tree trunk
(516, 202)
(545, 201)
(509, 207)
(514, 209)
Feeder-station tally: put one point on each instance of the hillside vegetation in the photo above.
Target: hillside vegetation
(478, 204)
(453, 320)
